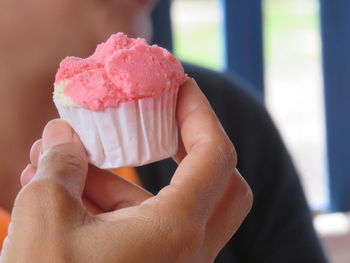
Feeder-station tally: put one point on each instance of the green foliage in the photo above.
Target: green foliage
(201, 46)
(283, 19)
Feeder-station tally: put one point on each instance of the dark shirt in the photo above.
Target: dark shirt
(279, 227)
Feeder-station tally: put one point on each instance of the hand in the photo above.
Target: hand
(189, 220)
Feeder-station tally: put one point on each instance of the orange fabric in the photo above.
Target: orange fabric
(129, 174)
(4, 222)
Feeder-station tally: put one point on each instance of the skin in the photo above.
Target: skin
(34, 37)
(69, 212)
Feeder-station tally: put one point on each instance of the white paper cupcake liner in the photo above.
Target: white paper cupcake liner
(133, 134)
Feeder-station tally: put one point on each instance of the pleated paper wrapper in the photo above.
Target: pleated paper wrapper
(133, 134)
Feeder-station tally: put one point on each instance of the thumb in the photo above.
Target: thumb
(51, 201)
(59, 181)
(63, 159)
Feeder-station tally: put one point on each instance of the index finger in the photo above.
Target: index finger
(208, 157)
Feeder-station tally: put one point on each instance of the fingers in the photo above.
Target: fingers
(27, 174)
(52, 191)
(104, 191)
(63, 158)
(92, 208)
(208, 158)
(181, 152)
(229, 213)
(35, 152)
(61, 168)
(110, 192)
(197, 120)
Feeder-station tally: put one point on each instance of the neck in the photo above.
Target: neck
(25, 103)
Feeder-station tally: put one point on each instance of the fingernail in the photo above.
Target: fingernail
(55, 133)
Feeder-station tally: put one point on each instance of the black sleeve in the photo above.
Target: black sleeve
(279, 227)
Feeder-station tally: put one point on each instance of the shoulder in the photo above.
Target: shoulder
(238, 106)
(244, 118)
(224, 87)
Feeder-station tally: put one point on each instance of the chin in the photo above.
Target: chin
(144, 29)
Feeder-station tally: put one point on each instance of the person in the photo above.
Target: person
(195, 215)
(279, 226)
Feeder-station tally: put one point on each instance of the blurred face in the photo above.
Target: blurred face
(70, 27)
(34, 36)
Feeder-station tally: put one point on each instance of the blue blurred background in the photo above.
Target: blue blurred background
(296, 55)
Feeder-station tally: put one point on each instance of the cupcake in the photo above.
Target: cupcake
(121, 101)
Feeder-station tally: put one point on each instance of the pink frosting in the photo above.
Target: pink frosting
(121, 69)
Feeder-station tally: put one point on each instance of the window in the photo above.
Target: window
(294, 91)
(197, 35)
(293, 83)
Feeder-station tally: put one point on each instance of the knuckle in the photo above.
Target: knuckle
(34, 192)
(62, 162)
(47, 201)
(246, 195)
(42, 191)
(186, 235)
(229, 153)
(226, 156)
(249, 198)
(40, 196)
